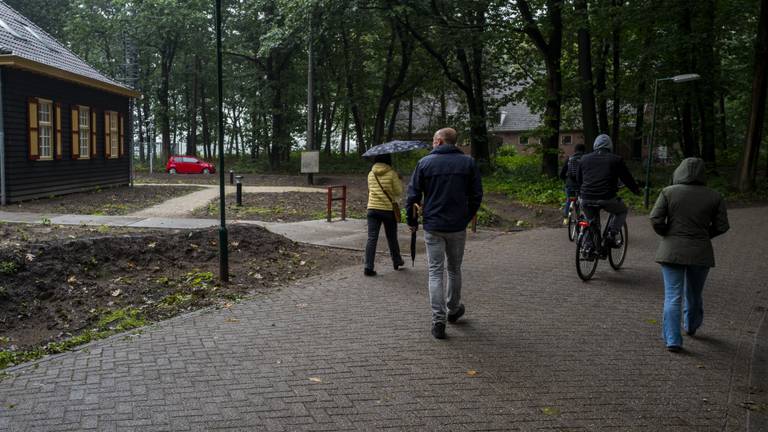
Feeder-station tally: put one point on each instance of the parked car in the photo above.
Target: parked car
(188, 165)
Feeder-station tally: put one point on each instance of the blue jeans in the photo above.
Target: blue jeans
(442, 247)
(682, 281)
(569, 193)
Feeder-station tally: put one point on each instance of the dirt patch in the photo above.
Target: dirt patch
(59, 284)
(507, 214)
(117, 201)
(282, 207)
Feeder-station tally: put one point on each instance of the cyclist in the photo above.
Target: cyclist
(568, 173)
(598, 177)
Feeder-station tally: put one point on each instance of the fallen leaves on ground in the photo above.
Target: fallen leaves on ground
(472, 373)
(652, 321)
(550, 411)
(315, 380)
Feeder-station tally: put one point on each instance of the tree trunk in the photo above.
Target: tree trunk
(344, 130)
(689, 144)
(206, 127)
(192, 112)
(141, 133)
(552, 52)
(410, 117)
(706, 66)
(586, 88)
(601, 89)
(748, 165)
(616, 51)
(357, 117)
(722, 123)
(393, 120)
(167, 54)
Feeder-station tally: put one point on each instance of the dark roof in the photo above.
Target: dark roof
(516, 117)
(20, 37)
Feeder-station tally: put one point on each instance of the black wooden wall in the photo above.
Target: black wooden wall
(27, 179)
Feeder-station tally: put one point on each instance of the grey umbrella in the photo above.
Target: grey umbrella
(395, 147)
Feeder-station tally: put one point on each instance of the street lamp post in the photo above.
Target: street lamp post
(223, 242)
(677, 79)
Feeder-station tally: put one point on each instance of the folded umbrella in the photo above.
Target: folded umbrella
(395, 147)
(416, 210)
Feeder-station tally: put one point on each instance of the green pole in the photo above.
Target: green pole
(223, 243)
(646, 198)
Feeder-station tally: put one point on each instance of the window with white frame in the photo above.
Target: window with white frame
(45, 128)
(84, 115)
(114, 135)
(566, 140)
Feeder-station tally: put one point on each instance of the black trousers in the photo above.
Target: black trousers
(375, 219)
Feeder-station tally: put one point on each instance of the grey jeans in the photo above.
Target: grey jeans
(442, 247)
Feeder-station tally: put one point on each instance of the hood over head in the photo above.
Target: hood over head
(380, 168)
(690, 171)
(603, 141)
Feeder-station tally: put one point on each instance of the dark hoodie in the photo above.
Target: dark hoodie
(599, 172)
(448, 184)
(687, 215)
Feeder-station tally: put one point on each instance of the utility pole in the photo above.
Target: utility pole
(311, 91)
(223, 242)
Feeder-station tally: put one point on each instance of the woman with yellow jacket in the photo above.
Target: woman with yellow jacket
(384, 189)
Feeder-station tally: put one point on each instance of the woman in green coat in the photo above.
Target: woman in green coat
(687, 215)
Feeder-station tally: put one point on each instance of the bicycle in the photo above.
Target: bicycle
(573, 218)
(591, 246)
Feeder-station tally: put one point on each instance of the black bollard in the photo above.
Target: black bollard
(239, 192)
(231, 177)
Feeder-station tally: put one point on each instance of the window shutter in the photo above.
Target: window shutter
(107, 142)
(57, 155)
(34, 149)
(75, 132)
(122, 136)
(93, 132)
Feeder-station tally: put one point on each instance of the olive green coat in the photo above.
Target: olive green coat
(686, 216)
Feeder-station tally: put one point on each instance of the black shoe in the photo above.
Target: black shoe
(453, 317)
(690, 333)
(399, 263)
(369, 272)
(675, 348)
(438, 330)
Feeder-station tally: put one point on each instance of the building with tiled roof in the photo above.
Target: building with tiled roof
(64, 126)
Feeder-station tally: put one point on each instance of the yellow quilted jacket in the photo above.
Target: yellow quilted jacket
(389, 181)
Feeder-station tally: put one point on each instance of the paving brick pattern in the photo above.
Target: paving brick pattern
(352, 353)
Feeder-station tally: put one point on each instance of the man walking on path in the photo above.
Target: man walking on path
(446, 185)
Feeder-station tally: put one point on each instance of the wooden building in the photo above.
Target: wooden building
(64, 126)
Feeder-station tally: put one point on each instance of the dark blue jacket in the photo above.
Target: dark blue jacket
(448, 184)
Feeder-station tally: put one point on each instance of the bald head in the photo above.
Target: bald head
(444, 136)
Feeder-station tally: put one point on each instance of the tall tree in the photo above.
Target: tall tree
(551, 49)
(748, 166)
(586, 86)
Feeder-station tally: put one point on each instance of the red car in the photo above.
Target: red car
(188, 165)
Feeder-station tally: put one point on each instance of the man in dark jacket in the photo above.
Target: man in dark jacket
(686, 216)
(568, 173)
(598, 177)
(446, 185)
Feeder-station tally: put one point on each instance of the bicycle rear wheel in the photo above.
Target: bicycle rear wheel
(617, 255)
(573, 225)
(586, 260)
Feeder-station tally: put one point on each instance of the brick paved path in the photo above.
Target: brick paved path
(349, 353)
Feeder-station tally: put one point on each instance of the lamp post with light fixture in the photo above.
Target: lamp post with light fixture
(677, 79)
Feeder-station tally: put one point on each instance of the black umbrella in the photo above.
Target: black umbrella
(395, 147)
(416, 209)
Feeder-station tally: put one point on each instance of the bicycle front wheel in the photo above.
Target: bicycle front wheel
(586, 259)
(617, 255)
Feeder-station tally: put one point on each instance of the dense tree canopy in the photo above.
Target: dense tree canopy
(588, 64)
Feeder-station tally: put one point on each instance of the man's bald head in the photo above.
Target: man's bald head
(444, 136)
